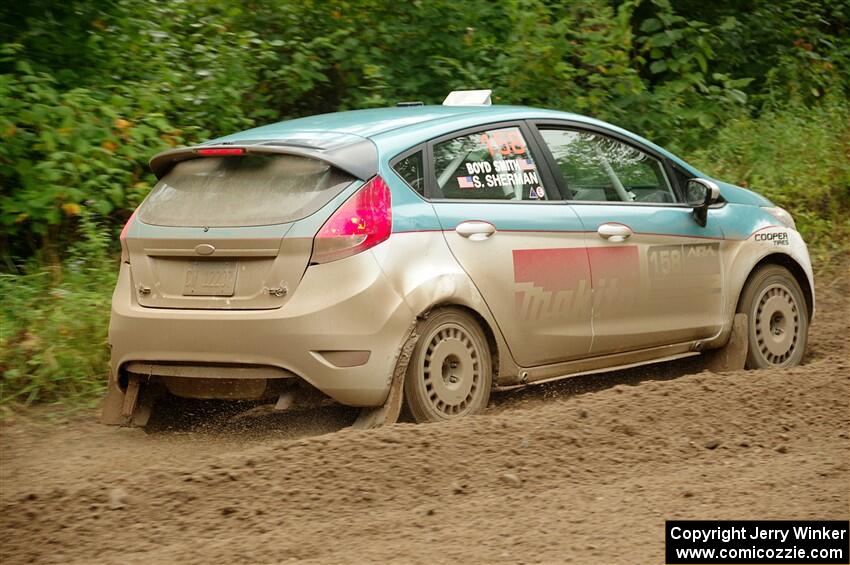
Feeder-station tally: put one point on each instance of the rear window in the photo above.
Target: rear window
(411, 169)
(252, 190)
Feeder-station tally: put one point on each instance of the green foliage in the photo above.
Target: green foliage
(795, 49)
(679, 53)
(63, 148)
(797, 157)
(80, 122)
(53, 341)
(755, 93)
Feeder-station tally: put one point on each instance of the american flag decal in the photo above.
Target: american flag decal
(525, 164)
(465, 182)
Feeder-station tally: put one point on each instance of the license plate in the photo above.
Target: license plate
(210, 278)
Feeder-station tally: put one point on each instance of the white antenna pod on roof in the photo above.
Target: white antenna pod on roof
(468, 98)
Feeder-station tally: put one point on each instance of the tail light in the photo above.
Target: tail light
(125, 253)
(362, 222)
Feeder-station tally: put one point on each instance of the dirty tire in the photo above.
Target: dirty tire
(778, 320)
(451, 369)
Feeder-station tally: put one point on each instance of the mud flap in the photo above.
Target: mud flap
(144, 407)
(389, 412)
(128, 408)
(110, 408)
(733, 355)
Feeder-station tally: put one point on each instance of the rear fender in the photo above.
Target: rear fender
(426, 275)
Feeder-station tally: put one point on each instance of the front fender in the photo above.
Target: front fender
(743, 254)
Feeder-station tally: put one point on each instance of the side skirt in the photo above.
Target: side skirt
(606, 364)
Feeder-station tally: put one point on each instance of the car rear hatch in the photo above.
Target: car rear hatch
(220, 230)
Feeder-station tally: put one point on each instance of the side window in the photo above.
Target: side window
(493, 164)
(600, 169)
(412, 170)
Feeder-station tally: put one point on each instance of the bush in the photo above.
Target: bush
(62, 149)
(798, 157)
(53, 346)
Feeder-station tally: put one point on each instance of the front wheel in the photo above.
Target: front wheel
(777, 318)
(450, 370)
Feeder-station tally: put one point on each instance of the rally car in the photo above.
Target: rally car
(419, 257)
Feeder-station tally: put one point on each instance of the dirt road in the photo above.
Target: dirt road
(583, 471)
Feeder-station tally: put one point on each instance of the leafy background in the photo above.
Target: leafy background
(754, 93)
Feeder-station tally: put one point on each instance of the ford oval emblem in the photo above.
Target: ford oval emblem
(205, 249)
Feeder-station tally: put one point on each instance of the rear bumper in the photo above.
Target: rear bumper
(346, 305)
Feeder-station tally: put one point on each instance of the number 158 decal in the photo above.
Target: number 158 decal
(667, 261)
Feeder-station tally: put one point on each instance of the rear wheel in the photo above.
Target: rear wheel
(450, 370)
(777, 318)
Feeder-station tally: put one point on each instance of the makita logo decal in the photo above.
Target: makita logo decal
(558, 283)
(777, 238)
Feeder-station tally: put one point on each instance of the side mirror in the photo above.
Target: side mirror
(700, 194)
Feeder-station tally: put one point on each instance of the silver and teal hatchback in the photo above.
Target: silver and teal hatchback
(426, 255)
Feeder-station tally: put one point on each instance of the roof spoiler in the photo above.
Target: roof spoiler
(359, 159)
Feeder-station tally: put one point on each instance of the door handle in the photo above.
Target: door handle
(475, 230)
(614, 233)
